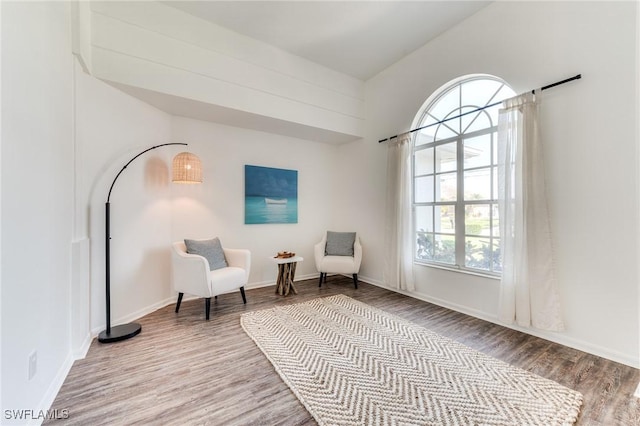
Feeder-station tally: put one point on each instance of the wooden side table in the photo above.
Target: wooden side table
(286, 274)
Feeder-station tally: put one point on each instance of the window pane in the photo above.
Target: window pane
(445, 249)
(424, 218)
(478, 253)
(424, 162)
(477, 184)
(453, 123)
(445, 131)
(446, 157)
(446, 187)
(478, 121)
(445, 219)
(478, 93)
(425, 136)
(424, 246)
(504, 93)
(447, 103)
(477, 151)
(423, 189)
(477, 219)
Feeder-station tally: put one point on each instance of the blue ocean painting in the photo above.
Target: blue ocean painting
(270, 195)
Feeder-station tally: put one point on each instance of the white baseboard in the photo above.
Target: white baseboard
(52, 391)
(168, 301)
(154, 307)
(260, 284)
(269, 283)
(134, 316)
(559, 338)
(81, 352)
(553, 337)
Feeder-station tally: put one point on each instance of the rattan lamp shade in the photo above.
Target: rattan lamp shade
(187, 168)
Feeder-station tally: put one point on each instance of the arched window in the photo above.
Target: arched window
(456, 221)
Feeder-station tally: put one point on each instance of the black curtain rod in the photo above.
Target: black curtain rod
(548, 86)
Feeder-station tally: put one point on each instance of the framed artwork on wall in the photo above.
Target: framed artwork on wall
(270, 195)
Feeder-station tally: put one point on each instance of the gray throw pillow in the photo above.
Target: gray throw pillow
(209, 249)
(340, 243)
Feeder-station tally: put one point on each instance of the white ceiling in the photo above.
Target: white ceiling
(357, 38)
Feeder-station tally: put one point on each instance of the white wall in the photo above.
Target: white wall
(216, 208)
(148, 212)
(592, 162)
(361, 171)
(112, 128)
(589, 130)
(37, 201)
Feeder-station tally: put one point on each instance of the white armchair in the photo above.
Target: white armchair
(191, 274)
(339, 264)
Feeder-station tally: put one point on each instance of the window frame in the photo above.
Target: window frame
(460, 205)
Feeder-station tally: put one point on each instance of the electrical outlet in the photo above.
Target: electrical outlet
(33, 364)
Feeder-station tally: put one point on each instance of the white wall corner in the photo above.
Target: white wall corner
(80, 297)
(81, 33)
(135, 315)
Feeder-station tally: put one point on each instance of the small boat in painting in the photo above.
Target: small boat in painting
(275, 200)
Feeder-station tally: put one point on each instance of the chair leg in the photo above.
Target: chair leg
(244, 297)
(207, 307)
(179, 301)
(355, 280)
(325, 278)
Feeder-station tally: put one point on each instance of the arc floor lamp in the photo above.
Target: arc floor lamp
(186, 169)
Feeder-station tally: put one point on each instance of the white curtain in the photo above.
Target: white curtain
(528, 292)
(398, 268)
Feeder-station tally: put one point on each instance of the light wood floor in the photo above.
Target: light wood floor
(183, 370)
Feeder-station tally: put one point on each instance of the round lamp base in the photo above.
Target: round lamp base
(120, 332)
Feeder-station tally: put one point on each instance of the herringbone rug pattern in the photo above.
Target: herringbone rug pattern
(352, 364)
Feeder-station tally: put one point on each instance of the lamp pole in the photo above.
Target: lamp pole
(123, 331)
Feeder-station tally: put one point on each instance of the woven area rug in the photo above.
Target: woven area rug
(353, 364)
